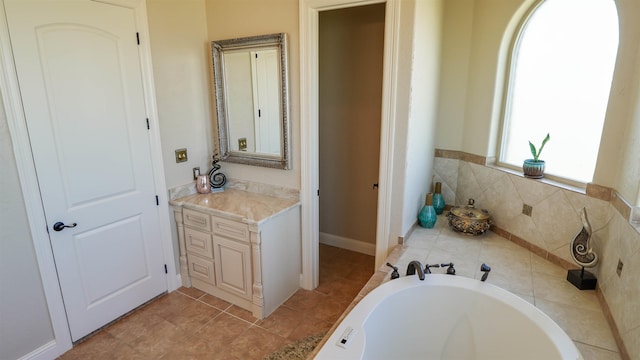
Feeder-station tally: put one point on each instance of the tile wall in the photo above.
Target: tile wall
(554, 221)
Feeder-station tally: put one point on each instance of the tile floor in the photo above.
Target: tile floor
(190, 324)
(514, 268)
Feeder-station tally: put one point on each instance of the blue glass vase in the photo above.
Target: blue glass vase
(427, 216)
(438, 200)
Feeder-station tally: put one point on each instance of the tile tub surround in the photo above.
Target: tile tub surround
(514, 268)
(555, 220)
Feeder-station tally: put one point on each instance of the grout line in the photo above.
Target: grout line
(597, 347)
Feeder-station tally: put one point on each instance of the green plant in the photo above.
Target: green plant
(535, 153)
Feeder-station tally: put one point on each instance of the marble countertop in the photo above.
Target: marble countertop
(247, 207)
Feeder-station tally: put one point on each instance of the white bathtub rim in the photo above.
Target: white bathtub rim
(357, 317)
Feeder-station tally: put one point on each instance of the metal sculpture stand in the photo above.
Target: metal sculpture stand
(583, 255)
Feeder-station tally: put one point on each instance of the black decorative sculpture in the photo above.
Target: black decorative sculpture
(218, 180)
(583, 255)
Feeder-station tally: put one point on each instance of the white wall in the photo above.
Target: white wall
(180, 54)
(415, 136)
(457, 18)
(228, 19)
(24, 317)
(480, 31)
(618, 163)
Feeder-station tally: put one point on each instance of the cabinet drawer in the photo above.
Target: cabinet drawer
(198, 242)
(231, 229)
(196, 219)
(201, 268)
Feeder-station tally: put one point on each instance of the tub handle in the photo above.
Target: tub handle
(485, 269)
(394, 273)
(450, 270)
(427, 269)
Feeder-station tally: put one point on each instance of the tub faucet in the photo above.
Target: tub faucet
(415, 266)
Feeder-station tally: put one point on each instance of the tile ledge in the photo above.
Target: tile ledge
(544, 180)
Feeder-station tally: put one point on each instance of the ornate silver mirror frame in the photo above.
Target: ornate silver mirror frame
(223, 99)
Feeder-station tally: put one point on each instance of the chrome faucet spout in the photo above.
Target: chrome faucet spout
(415, 266)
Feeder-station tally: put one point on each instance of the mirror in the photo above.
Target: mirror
(251, 86)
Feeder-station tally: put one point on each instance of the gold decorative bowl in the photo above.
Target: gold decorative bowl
(469, 220)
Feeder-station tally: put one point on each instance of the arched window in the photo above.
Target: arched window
(559, 81)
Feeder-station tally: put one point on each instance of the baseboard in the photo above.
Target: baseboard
(402, 239)
(50, 350)
(349, 244)
(178, 281)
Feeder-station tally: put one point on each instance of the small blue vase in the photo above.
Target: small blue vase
(427, 216)
(438, 200)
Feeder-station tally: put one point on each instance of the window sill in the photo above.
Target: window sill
(575, 187)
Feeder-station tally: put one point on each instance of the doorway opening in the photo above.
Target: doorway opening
(350, 58)
(309, 129)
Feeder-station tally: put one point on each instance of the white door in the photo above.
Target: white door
(79, 73)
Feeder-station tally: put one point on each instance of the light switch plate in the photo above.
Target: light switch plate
(181, 155)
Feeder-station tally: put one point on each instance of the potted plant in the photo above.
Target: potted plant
(534, 168)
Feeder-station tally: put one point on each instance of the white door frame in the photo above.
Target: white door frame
(31, 192)
(309, 132)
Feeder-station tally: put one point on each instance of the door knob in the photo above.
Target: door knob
(59, 226)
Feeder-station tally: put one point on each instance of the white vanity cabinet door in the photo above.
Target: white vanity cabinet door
(232, 266)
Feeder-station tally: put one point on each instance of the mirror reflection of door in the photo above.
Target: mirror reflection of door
(252, 81)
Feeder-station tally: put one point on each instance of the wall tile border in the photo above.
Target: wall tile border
(624, 354)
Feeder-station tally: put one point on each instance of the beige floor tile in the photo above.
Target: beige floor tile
(191, 292)
(221, 331)
(594, 353)
(130, 328)
(283, 321)
(559, 290)
(241, 313)
(215, 302)
(543, 266)
(190, 324)
(255, 343)
(586, 326)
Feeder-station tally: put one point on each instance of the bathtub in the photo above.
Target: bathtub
(446, 317)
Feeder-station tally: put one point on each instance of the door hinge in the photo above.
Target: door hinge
(138, 38)
(166, 271)
(157, 201)
(318, 192)
(259, 113)
(148, 127)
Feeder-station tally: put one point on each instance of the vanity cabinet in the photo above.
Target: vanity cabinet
(242, 247)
